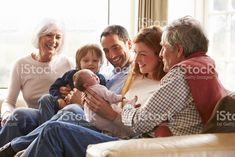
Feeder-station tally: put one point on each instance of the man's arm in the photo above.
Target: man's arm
(170, 99)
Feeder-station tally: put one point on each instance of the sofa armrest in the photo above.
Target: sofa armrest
(19, 103)
(209, 145)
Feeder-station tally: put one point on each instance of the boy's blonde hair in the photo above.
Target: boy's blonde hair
(81, 52)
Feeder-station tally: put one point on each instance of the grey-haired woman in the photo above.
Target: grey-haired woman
(32, 75)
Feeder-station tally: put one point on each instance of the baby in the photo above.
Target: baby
(84, 79)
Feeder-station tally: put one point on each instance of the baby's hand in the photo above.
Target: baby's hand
(132, 102)
(64, 91)
(61, 103)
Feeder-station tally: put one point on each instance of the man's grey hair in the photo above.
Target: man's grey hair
(186, 32)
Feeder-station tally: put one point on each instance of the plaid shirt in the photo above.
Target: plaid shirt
(172, 103)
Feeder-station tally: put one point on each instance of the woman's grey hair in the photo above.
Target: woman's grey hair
(46, 27)
(186, 32)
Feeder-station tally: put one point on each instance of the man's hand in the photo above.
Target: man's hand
(64, 91)
(99, 105)
(83, 96)
(74, 97)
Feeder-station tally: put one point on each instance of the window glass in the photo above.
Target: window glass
(177, 8)
(233, 4)
(83, 19)
(221, 24)
(227, 69)
(232, 50)
(219, 36)
(220, 5)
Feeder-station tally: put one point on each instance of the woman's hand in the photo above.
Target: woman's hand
(64, 91)
(5, 117)
(99, 105)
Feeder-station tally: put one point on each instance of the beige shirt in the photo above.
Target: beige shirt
(141, 87)
(33, 79)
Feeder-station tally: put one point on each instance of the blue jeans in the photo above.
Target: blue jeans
(24, 120)
(47, 108)
(21, 122)
(59, 139)
(73, 114)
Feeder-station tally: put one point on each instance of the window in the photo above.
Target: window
(221, 31)
(218, 19)
(83, 23)
(84, 20)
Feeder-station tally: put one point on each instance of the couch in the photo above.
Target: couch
(201, 145)
(20, 102)
(217, 140)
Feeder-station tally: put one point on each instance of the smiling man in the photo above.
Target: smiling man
(117, 45)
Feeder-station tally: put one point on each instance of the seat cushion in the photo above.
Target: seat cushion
(201, 145)
(223, 117)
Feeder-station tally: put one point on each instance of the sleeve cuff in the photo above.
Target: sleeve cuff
(128, 114)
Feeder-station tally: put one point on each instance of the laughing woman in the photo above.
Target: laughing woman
(32, 75)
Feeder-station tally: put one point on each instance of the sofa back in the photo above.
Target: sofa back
(222, 119)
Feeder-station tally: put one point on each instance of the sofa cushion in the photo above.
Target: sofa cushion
(19, 103)
(209, 145)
